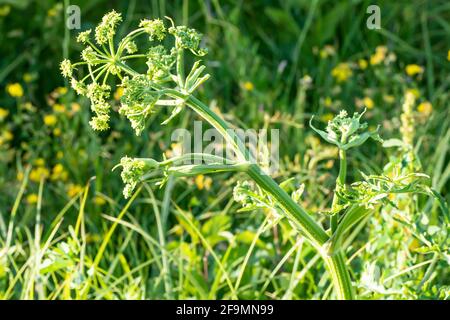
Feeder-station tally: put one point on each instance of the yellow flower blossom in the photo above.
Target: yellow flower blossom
(73, 190)
(57, 132)
(28, 77)
(52, 12)
(50, 120)
(368, 102)
(32, 198)
(203, 182)
(39, 173)
(342, 72)
(59, 155)
(3, 114)
(59, 173)
(327, 51)
(388, 98)
(14, 90)
(448, 55)
(362, 64)
(29, 107)
(99, 201)
(425, 108)
(415, 92)
(5, 10)
(326, 117)
(118, 93)
(39, 162)
(59, 108)
(379, 55)
(61, 90)
(75, 107)
(327, 102)
(7, 135)
(413, 69)
(248, 86)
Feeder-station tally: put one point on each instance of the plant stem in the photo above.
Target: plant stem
(294, 212)
(340, 181)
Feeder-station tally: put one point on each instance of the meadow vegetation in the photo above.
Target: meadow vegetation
(358, 206)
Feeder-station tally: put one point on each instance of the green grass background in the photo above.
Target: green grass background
(186, 242)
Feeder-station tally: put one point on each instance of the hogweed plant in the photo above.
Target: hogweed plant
(165, 85)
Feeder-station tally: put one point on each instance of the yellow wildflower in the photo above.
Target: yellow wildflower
(59, 155)
(203, 182)
(99, 201)
(413, 69)
(52, 11)
(118, 93)
(59, 108)
(29, 107)
(5, 10)
(342, 72)
(59, 173)
(39, 173)
(327, 102)
(388, 98)
(50, 120)
(57, 132)
(362, 63)
(61, 90)
(39, 162)
(379, 55)
(75, 107)
(28, 77)
(448, 55)
(248, 86)
(7, 135)
(327, 51)
(415, 92)
(32, 198)
(326, 117)
(14, 90)
(73, 190)
(368, 102)
(3, 114)
(425, 108)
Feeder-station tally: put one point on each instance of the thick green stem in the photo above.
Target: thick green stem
(340, 181)
(294, 212)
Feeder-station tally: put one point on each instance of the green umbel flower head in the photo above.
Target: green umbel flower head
(162, 84)
(347, 132)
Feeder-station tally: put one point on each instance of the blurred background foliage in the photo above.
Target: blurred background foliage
(273, 64)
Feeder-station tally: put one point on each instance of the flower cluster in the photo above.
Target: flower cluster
(347, 132)
(189, 39)
(138, 101)
(132, 172)
(107, 28)
(155, 29)
(141, 92)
